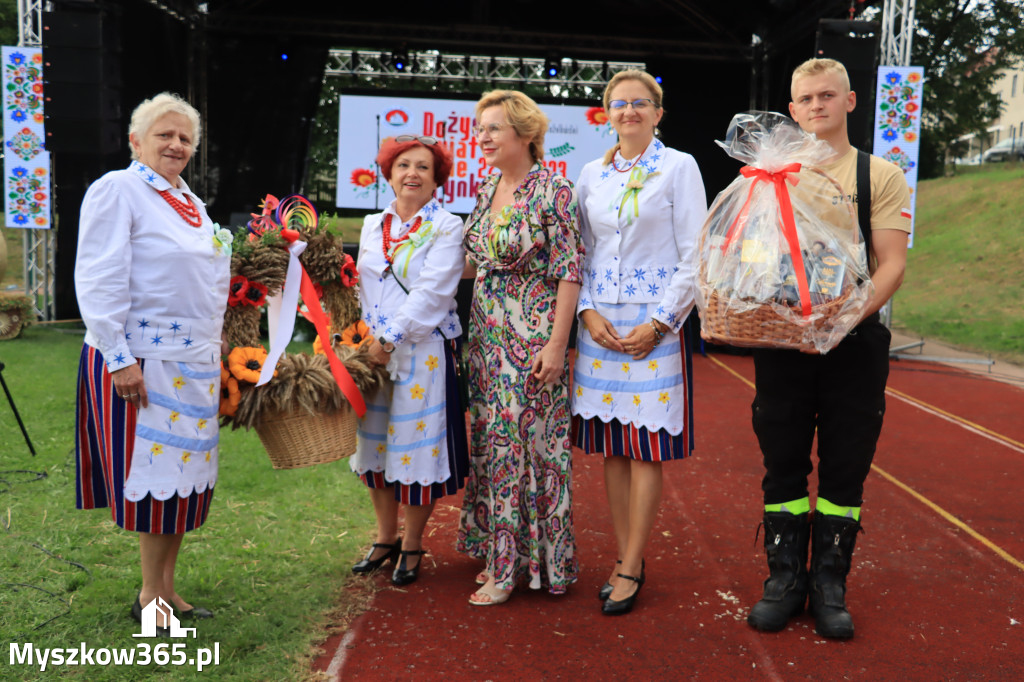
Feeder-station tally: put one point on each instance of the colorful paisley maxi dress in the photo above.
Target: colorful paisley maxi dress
(517, 513)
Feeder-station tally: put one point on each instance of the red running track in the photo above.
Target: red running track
(937, 589)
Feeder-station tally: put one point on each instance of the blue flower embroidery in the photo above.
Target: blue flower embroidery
(658, 145)
(608, 274)
(631, 290)
(119, 359)
(639, 273)
(600, 288)
(604, 175)
(662, 273)
(175, 326)
(187, 341)
(652, 289)
(156, 340)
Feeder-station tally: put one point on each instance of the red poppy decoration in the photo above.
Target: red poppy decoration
(256, 294)
(237, 290)
(349, 274)
(363, 177)
(596, 116)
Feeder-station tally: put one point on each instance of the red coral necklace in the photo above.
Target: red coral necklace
(189, 212)
(623, 170)
(386, 240)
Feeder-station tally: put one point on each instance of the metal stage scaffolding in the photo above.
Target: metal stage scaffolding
(563, 77)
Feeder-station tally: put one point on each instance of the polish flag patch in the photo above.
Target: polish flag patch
(905, 213)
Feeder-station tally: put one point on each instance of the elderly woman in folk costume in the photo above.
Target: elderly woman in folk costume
(412, 440)
(151, 275)
(642, 206)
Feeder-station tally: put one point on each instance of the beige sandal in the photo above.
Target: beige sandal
(486, 598)
(482, 577)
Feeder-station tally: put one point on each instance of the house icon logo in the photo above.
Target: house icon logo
(149, 620)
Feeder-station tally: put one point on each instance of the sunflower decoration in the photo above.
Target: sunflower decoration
(356, 334)
(259, 264)
(229, 393)
(246, 363)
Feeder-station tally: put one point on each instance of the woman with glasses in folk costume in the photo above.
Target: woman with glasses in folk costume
(642, 207)
(412, 441)
(523, 239)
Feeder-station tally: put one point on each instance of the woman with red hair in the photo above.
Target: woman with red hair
(412, 440)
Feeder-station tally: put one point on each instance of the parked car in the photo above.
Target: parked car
(1010, 148)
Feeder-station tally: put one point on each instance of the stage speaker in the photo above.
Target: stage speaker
(855, 44)
(82, 72)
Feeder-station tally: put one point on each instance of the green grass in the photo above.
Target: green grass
(272, 560)
(965, 274)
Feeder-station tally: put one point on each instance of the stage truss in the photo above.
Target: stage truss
(562, 77)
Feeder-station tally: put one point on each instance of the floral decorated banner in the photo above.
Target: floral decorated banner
(898, 122)
(26, 161)
(576, 136)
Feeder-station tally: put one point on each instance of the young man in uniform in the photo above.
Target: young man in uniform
(840, 395)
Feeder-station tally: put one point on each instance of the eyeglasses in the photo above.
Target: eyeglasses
(637, 104)
(422, 139)
(491, 129)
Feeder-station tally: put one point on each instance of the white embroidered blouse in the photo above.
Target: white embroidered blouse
(149, 284)
(640, 231)
(429, 264)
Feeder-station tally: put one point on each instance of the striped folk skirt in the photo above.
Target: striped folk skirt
(104, 444)
(458, 448)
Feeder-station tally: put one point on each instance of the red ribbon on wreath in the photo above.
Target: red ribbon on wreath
(778, 179)
(315, 314)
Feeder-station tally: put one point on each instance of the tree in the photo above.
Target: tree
(8, 22)
(962, 45)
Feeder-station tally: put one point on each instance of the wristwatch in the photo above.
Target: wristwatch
(386, 345)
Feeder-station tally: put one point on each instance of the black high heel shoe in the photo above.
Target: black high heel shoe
(606, 589)
(619, 608)
(368, 565)
(406, 576)
(137, 615)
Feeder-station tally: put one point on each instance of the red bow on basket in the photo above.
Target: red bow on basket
(778, 179)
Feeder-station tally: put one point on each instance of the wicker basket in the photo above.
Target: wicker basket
(762, 326)
(294, 439)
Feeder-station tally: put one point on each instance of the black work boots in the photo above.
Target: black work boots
(789, 584)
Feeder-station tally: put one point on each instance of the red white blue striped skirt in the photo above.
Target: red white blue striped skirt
(458, 446)
(104, 441)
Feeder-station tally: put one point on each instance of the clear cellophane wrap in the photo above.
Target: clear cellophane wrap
(781, 260)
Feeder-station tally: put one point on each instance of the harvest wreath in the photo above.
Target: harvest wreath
(303, 407)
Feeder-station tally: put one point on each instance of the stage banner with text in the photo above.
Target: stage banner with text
(26, 161)
(576, 136)
(898, 123)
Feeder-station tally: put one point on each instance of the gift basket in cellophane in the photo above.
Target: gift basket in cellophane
(782, 263)
(302, 406)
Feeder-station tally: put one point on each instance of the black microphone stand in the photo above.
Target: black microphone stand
(14, 409)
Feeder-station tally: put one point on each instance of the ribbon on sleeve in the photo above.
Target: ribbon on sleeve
(778, 180)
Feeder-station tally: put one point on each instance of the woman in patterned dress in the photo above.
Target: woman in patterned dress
(412, 440)
(151, 276)
(523, 239)
(642, 206)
